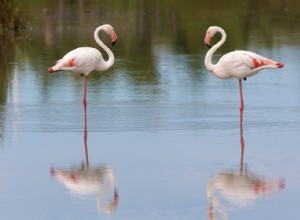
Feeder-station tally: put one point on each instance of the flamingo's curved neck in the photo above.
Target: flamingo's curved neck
(111, 58)
(208, 63)
(104, 190)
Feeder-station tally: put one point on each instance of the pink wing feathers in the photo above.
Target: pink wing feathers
(81, 60)
(242, 64)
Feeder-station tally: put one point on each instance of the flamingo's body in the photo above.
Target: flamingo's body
(239, 64)
(84, 60)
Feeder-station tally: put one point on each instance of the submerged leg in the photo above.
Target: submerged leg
(85, 138)
(242, 144)
(85, 121)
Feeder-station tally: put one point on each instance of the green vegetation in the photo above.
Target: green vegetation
(12, 18)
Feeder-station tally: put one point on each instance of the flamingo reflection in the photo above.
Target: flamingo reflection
(85, 180)
(240, 187)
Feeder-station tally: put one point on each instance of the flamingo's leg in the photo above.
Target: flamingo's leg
(85, 87)
(241, 105)
(85, 119)
(85, 137)
(241, 95)
(241, 127)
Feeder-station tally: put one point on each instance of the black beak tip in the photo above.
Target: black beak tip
(208, 46)
(113, 43)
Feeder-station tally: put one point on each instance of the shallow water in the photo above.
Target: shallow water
(163, 134)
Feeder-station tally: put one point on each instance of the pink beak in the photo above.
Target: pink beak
(207, 40)
(114, 38)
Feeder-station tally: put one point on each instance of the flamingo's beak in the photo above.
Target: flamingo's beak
(207, 40)
(113, 38)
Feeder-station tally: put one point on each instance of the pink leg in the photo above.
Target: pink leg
(242, 105)
(241, 95)
(85, 87)
(241, 127)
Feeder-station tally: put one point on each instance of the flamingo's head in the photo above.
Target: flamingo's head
(109, 30)
(211, 31)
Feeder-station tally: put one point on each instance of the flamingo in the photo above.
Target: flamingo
(84, 60)
(239, 64)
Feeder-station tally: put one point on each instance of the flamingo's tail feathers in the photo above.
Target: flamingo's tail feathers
(281, 184)
(57, 67)
(279, 64)
(53, 69)
(62, 64)
(50, 70)
(266, 62)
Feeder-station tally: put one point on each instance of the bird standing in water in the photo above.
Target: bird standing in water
(84, 60)
(239, 64)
